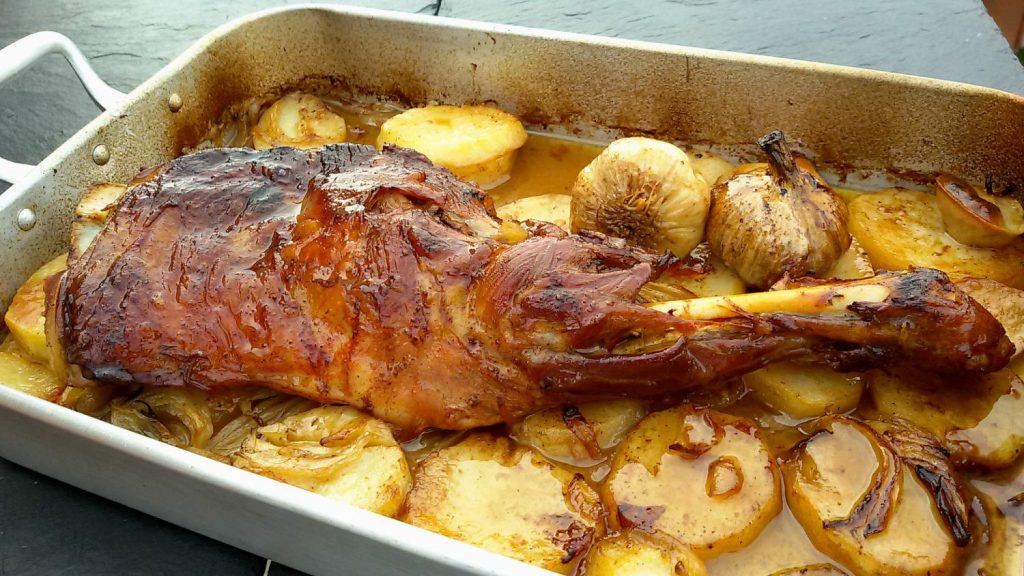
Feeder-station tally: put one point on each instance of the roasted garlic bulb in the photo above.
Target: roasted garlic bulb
(977, 218)
(645, 191)
(300, 121)
(779, 218)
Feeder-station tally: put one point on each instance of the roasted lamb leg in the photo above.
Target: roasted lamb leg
(379, 280)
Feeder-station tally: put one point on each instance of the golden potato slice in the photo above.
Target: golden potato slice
(553, 208)
(91, 214)
(782, 548)
(636, 553)
(977, 418)
(801, 391)
(490, 493)
(1003, 302)
(860, 504)
(702, 477)
(579, 436)
(477, 143)
(1000, 499)
(810, 570)
(853, 264)
(902, 228)
(720, 280)
(335, 451)
(713, 169)
(298, 120)
(26, 317)
(19, 372)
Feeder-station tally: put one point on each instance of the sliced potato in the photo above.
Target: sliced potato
(800, 391)
(579, 436)
(1001, 500)
(1005, 303)
(702, 275)
(854, 263)
(637, 553)
(335, 451)
(91, 214)
(477, 143)
(26, 317)
(298, 120)
(490, 493)
(19, 372)
(553, 208)
(702, 477)
(782, 548)
(860, 504)
(810, 570)
(720, 280)
(902, 228)
(977, 418)
(713, 169)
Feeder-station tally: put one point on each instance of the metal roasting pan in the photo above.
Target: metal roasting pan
(856, 123)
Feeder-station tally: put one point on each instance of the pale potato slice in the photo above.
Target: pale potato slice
(298, 120)
(19, 372)
(860, 505)
(977, 418)
(487, 492)
(801, 391)
(810, 570)
(579, 436)
(902, 228)
(26, 317)
(853, 264)
(335, 451)
(703, 275)
(553, 208)
(1003, 302)
(712, 168)
(720, 280)
(637, 553)
(1001, 502)
(477, 143)
(91, 214)
(702, 477)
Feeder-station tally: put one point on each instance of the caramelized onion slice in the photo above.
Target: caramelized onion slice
(880, 497)
(977, 218)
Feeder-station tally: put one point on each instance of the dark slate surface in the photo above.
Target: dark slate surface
(49, 528)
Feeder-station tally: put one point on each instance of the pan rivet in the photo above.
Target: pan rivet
(100, 155)
(174, 102)
(26, 219)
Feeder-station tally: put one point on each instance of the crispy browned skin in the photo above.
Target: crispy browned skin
(381, 281)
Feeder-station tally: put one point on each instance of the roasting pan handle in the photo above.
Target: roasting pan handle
(25, 52)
